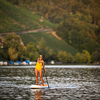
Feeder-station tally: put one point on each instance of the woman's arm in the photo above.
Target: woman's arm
(44, 68)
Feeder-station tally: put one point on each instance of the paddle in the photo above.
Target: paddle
(46, 78)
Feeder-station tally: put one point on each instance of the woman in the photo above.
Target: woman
(38, 68)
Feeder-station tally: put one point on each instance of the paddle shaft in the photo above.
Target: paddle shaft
(46, 78)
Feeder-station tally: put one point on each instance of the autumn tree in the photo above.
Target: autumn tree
(83, 57)
(65, 57)
(12, 53)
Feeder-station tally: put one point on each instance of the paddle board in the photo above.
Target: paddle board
(38, 86)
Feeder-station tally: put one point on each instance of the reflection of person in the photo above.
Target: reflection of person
(38, 68)
(38, 95)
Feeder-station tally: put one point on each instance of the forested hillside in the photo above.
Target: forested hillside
(78, 20)
(58, 10)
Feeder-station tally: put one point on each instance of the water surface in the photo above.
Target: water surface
(65, 83)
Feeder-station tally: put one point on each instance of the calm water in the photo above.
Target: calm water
(65, 83)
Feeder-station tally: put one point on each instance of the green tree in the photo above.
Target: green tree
(12, 53)
(95, 56)
(98, 38)
(33, 56)
(31, 47)
(70, 58)
(62, 56)
(80, 58)
(45, 51)
(41, 47)
(14, 44)
(48, 54)
(78, 34)
(32, 51)
(65, 57)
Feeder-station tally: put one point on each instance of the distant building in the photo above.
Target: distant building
(52, 62)
(41, 20)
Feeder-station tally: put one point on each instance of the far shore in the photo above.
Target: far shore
(56, 64)
(53, 66)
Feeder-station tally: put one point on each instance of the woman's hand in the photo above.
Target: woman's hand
(45, 72)
(44, 68)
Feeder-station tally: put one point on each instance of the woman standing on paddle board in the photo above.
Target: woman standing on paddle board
(38, 68)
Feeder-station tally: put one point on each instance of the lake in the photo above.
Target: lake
(67, 82)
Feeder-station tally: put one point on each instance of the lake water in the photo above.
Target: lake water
(66, 83)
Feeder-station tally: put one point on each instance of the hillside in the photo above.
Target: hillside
(14, 18)
(78, 21)
(51, 41)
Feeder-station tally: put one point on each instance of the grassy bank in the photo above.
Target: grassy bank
(51, 41)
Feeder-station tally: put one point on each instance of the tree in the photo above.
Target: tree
(31, 47)
(48, 54)
(65, 57)
(98, 38)
(87, 56)
(73, 38)
(45, 51)
(62, 56)
(83, 57)
(12, 53)
(78, 34)
(33, 56)
(80, 58)
(32, 52)
(90, 45)
(41, 47)
(95, 56)
(13, 44)
(70, 58)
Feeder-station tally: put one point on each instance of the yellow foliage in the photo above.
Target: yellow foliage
(87, 55)
(12, 53)
(83, 57)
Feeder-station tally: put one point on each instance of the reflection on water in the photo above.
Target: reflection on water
(65, 84)
(38, 94)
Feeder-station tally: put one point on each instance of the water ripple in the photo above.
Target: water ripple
(65, 84)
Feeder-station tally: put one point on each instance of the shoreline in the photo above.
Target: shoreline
(54, 66)
(57, 64)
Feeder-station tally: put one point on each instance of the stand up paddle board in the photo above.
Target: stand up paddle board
(38, 86)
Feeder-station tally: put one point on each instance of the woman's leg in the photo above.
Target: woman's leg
(36, 74)
(40, 72)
